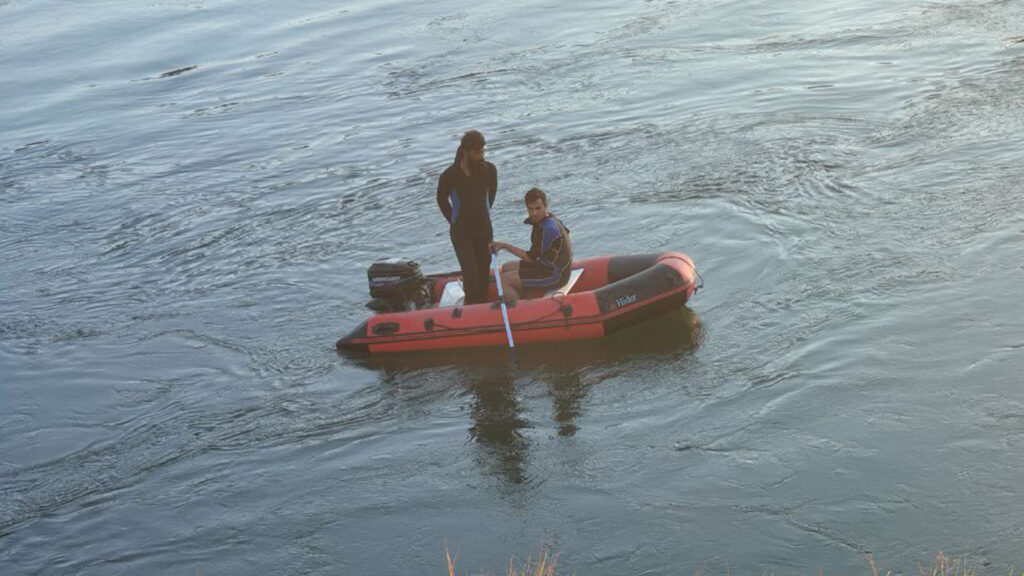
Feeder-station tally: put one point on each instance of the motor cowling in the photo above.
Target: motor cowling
(396, 284)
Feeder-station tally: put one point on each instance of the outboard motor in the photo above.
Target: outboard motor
(396, 285)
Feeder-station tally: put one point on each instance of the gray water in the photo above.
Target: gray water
(191, 193)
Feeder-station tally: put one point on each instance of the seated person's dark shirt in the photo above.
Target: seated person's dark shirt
(551, 254)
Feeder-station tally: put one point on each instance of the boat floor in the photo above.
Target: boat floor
(454, 294)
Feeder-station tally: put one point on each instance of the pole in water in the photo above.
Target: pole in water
(501, 298)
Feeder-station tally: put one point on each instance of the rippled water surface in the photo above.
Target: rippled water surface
(191, 193)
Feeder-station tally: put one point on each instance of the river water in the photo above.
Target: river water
(192, 191)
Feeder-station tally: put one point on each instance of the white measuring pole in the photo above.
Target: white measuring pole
(501, 298)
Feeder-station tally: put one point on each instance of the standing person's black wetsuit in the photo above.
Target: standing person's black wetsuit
(465, 200)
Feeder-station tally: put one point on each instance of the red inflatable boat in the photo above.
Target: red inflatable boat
(603, 295)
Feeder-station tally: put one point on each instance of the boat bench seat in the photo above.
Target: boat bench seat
(564, 289)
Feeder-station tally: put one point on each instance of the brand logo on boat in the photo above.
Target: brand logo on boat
(625, 300)
(386, 279)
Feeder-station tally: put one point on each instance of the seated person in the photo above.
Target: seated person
(546, 266)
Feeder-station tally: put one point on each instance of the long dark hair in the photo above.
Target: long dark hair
(471, 140)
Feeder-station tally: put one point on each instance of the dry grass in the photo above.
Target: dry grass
(543, 566)
(946, 566)
(942, 566)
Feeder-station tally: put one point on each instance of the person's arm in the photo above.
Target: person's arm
(444, 199)
(517, 252)
(493, 186)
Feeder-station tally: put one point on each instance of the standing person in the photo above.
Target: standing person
(548, 263)
(465, 194)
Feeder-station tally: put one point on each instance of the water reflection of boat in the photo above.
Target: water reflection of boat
(501, 420)
(607, 295)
